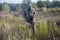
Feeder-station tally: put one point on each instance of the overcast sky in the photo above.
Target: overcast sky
(16, 1)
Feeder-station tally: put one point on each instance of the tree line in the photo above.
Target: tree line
(48, 4)
(39, 4)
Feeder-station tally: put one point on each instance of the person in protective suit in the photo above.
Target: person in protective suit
(28, 14)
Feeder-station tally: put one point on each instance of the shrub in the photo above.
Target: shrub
(54, 10)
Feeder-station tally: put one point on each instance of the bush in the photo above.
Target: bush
(43, 9)
(58, 10)
(55, 10)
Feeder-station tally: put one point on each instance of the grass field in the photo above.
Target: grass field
(14, 27)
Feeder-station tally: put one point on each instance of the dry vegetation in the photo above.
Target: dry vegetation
(13, 27)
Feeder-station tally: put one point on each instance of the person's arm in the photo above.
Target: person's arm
(33, 11)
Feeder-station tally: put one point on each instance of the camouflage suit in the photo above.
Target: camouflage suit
(28, 14)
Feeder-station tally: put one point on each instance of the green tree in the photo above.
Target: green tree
(0, 7)
(18, 7)
(41, 4)
(27, 1)
(6, 7)
(56, 4)
(34, 5)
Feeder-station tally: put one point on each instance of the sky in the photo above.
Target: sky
(16, 1)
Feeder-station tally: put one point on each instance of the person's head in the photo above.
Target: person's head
(29, 8)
